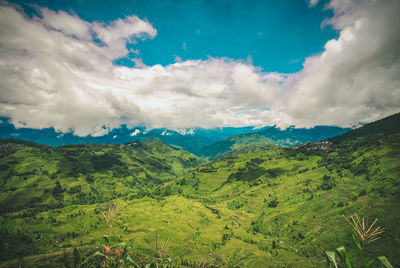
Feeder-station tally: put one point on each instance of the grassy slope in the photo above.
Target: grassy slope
(87, 173)
(301, 223)
(224, 210)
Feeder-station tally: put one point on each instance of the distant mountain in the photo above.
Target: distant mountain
(209, 143)
(270, 137)
(191, 139)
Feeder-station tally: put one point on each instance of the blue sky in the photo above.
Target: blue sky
(90, 66)
(277, 35)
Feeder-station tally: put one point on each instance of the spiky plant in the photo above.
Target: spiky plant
(110, 213)
(366, 233)
(163, 251)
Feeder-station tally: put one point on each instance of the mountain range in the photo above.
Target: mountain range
(208, 143)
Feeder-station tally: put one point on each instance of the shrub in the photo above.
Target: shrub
(362, 192)
(237, 203)
(273, 203)
(328, 183)
(57, 192)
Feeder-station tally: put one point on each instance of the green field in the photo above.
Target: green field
(280, 207)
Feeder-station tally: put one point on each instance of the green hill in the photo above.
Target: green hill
(44, 177)
(375, 130)
(268, 138)
(281, 207)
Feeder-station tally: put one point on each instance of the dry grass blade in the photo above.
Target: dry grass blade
(164, 249)
(112, 211)
(166, 246)
(367, 233)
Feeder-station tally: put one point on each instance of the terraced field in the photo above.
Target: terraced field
(281, 207)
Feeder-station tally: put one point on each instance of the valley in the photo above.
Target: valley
(262, 204)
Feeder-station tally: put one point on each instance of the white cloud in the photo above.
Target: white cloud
(47, 71)
(66, 23)
(135, 133)
(166, 133)
(117, 33)
(313, 2)
(53, 73)
(185, 131)
(356, 78)
(138, 63)
(177, 58)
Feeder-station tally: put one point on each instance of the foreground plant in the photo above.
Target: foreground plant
(111, 256)
(118, 256)
(163, 258)
(363, 234)
(109, 213)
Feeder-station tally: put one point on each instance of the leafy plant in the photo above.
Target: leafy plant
(361, 231)
(343, 258)
(163, 257)
(117, 255)
(111, 256)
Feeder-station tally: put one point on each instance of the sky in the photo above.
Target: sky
(89, 66)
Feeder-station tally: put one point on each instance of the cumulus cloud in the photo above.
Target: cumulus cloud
(57, 71)
(117, 33)
(357, 78)
(66, 23)
(48, 64)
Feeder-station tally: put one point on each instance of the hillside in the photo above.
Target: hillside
(375, 130)
(269, 137)
(274, 208)
(44, 177)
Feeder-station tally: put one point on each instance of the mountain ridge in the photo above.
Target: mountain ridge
(195, 140)
(270, 137)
